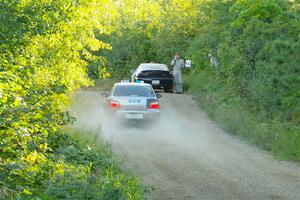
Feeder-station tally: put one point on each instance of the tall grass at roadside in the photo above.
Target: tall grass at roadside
(231, 113)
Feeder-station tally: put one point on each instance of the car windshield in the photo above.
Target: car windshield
(155, 72)
(138, 91)
(152, 67)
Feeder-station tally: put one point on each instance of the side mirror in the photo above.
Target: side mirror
(104, 94)
(132, 71)
(158, 96)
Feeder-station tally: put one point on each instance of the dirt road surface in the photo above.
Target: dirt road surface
(186, 156)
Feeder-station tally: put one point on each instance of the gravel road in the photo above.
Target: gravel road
(186, 156)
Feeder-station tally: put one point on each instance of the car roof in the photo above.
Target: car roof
(132, 84)
(152, 66)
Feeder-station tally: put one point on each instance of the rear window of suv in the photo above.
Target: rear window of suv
(137, 91)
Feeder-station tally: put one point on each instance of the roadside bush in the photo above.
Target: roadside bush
(254, 91)
(79, 166)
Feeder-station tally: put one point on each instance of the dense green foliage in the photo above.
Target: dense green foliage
(256, 43)
(257, 81)
(50, 48)
(47, 50)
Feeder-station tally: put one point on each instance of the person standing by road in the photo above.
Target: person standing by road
(178, 64)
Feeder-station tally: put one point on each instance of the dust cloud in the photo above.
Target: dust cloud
(186, 156)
